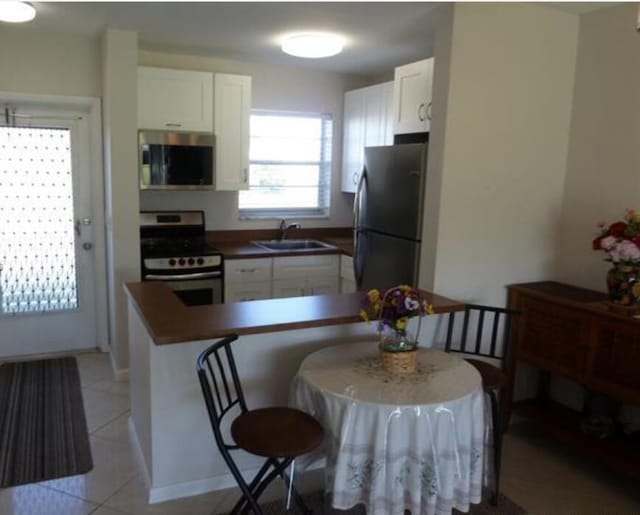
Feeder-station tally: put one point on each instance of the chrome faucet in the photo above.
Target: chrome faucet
(284, 228)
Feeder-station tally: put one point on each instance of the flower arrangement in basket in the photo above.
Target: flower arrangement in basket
(393, 309)
(621, 242)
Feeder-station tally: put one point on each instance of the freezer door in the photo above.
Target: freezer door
(392, 196)
(382, 261)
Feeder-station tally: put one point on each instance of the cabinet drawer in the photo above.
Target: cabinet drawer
(555, 338)
(243, 270)
(305, 266)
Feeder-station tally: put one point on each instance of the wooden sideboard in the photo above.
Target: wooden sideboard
(575, 333)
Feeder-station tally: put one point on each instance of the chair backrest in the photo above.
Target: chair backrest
(486, 331)
(220, 384)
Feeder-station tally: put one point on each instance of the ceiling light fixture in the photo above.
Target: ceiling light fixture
(15, 11)
(312, 45)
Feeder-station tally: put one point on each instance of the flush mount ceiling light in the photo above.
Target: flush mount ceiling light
(15, 11)
(312, 45)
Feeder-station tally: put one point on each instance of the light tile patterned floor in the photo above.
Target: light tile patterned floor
(540, 475)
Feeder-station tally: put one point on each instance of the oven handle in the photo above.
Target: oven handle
(197, 275)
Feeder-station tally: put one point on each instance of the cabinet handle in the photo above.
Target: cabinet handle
(420, 112)
(355, 177)
(173, 125)
(246, 175)
(247, 270)
(429, 106)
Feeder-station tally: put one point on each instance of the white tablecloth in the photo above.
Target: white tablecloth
(411, 442)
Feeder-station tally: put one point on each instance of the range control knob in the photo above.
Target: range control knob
(172, 262)
(200, 261)
(190, 261)
(181, 262)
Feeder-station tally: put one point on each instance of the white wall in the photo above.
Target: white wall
(277, 88)
(506, 136)
(48, 63)
(603, 172)
(120, 108)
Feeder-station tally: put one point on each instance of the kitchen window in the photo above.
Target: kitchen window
(290, 165)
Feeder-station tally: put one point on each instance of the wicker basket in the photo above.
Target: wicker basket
(399, 362)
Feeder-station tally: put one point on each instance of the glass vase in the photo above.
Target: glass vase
(397, 340)
(623, 283)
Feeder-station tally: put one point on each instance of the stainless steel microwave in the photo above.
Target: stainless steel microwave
(176, 160)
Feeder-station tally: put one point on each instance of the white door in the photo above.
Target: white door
(48, 274)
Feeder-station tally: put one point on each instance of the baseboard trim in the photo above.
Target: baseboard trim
(119, 374)
(203, 486)
(137, 453)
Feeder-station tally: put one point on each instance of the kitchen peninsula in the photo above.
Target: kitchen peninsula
(169, 422)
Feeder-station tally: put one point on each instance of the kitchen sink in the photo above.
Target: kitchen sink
(292, 244)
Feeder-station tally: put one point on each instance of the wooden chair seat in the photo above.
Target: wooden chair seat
(277, 432)
(492, 377)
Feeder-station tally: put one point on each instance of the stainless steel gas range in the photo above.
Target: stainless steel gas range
(173, 249)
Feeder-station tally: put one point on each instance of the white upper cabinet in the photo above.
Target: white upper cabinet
(368, 122)
(413, 84)
(175, 100)
(231, 121)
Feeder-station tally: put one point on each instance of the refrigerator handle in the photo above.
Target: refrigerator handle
(357, 268)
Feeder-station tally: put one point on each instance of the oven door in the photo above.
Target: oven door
(196, 289)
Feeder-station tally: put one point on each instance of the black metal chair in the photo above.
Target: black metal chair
(279, 434)
(488, 339)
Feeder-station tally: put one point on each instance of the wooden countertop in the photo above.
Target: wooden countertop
(168, 320)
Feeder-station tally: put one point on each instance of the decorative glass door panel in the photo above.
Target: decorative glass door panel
(37, 245)
(47, 275)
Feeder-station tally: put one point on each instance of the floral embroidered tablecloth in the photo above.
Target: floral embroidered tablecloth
(393, 442)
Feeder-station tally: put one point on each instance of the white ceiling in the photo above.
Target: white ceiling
(380, 35)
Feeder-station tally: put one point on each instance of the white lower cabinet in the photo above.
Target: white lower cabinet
(247, 279)
(298, 276)
(347, 277)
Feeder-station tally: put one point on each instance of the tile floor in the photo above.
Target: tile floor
(539, 474)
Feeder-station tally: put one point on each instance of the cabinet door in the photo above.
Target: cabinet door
(241, 292)
(614, 369)
(412, 96)
(289, 288)
(387, 121)
(347, 277)
(231, 122)
(378, 115)
(323, 285)
(175, 99)
(353, 139)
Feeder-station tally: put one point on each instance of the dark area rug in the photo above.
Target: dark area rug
(43, 430)
(315, 501)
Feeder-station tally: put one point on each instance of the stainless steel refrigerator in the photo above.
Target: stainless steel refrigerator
(388, 210)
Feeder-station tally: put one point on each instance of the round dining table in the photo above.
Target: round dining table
(396, 442)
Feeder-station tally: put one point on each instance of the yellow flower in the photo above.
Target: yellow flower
(429, 309)
(374, 295)
(364, 315)
(402, 323)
